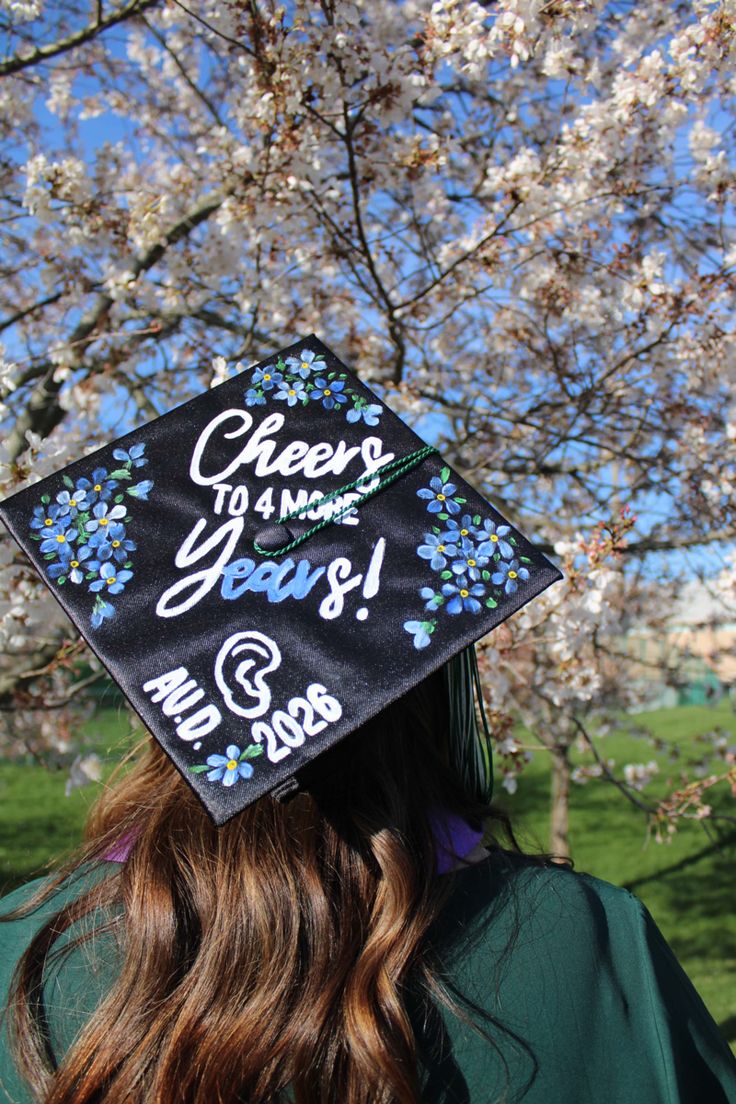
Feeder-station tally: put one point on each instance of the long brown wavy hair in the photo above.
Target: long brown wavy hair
(274, 953)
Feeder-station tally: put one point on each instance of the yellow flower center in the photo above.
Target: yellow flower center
(471, 563)
(464, 532)
(61, 538)
(512, 575)
(97, 487)
(111, 580)
(292, 391)
(104, 521)
(327, 391)
(47, 521)
(441, 497)
(72, 502)
(232, 764)
(464, 593)
(267, 376)
(74, 563)
(116, 544)
(440, 548)
(305, 366)
(494, 537)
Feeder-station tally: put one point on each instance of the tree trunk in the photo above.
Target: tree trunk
(559, 834)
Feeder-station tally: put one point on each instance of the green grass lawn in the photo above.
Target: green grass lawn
(687, 884)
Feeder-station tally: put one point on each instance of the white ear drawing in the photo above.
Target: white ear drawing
(241, 667)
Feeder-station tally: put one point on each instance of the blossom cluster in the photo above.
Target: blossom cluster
(305, 379)
(476, 559)
(83, 535)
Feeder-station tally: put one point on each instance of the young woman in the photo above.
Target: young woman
(353, 945)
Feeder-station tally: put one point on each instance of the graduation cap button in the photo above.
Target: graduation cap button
(272, 538)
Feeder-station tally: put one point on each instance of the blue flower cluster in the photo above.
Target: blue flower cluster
(230, 767)
(476, 559)
(304, 379)
(83, 534)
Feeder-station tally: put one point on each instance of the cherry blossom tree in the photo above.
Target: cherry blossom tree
(514, 218)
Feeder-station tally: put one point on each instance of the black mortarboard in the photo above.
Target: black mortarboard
(269, 565)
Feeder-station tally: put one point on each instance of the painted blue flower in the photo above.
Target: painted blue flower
(432, 598)
(369, 412)
(254, 397)
(436, 550)
(492, 538)
(99, 488)
(509, 575)
(304, 364)
(59, 540)
(421, 631)
(329, 392)
(133, 456)
(80, 562)
(140, 490)
(71, 502)
(439, 494)
(458, 529)
(228, 768)
(111, 580)
(101, 611)
(292, 392)
(44, 517)
(469, 561)
(463, 596)
(266, 377)
(110, 542)
(103, 515)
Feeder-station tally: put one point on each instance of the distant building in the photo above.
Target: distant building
(693, 660)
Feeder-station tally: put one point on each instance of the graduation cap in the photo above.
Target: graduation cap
(268, 566)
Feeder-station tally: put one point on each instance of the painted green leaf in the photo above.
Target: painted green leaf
(443, 517)
(445, 474)
(462, 501)
(68, 482)
(476, 519)
(45, 499)
(251, 752)
(485, 576)
(120, 473)
(491, 603)
(436, 530)
(61, 580)
(128, 564)
(446, 575)
(49, 555)
(525, 559)
(118, 499)
(200, 768)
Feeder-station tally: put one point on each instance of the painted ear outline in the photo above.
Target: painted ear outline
(241, 667)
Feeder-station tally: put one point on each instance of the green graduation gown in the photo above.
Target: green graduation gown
(579, 997)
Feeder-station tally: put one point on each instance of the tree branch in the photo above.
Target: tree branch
(39, 54)
(43, 411)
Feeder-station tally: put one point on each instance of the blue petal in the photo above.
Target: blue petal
(230, 777)
(216, 774)
(218, 760)
(455, 605)
(245, 770)
(232, 751)
(451, 506)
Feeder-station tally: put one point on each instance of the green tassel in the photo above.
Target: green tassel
(469, 740)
